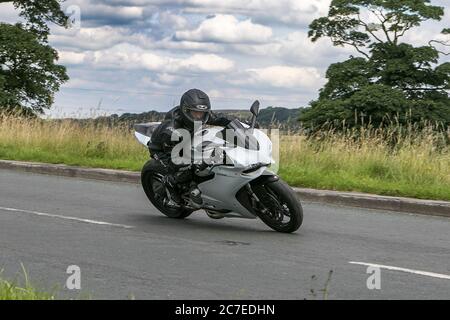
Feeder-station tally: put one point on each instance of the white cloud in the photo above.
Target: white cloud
(104, 37)
(227, 29)
(297, 48)
(71, 58)
(174, 21)
(95, 38)
(294, 12)
(103, 10)
(169, 44)
(206, 63)
(129, 57)
(169, 79)
(282, 77)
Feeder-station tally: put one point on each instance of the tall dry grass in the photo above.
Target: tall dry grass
(70, 142)
(409, 161)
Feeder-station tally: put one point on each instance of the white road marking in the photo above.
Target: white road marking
(43, 214)
(422, 273)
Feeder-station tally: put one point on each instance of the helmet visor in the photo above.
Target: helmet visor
(195, 114)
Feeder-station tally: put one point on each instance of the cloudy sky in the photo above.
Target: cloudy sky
(140, 55)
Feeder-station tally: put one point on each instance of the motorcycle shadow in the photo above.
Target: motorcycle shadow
(198, 221)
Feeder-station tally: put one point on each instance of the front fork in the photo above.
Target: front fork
(256, 202)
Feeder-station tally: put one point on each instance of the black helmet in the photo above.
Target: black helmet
(195, 106)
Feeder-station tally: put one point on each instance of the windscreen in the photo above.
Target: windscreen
(237, 135)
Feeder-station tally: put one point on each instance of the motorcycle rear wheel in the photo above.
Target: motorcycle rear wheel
(154, 188)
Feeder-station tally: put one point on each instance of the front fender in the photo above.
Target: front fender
(266, 177)
(244, 198)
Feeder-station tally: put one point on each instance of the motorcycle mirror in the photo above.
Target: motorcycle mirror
(255, 108)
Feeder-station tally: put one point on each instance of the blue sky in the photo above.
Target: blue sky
(140, 55)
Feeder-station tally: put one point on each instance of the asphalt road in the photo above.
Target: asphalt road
(126, 249)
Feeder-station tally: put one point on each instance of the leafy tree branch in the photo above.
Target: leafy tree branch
(38, 12)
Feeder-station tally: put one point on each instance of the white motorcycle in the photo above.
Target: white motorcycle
(236, 183)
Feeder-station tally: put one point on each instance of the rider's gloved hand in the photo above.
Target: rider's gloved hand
(200, 166)
(249, 123)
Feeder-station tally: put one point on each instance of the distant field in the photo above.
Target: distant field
(417, 164)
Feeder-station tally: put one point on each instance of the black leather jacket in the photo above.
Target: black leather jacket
(162, 136)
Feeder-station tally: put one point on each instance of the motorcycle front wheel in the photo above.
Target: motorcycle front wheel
(280, 209)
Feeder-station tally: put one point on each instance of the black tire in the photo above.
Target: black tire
(286, 201)
(149, 176)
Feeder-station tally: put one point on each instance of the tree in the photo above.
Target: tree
(389, 79)
(29, 75)
(38, 12)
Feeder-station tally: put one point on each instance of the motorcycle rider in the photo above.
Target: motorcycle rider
(195, 106)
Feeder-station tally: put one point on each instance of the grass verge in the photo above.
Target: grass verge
(14, 291)
(397, 161)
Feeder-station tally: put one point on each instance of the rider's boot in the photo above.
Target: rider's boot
(195, 194)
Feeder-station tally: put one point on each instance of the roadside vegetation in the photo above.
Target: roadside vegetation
(14, 291)
(396, 161)
(71, 143)
(411, 161)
